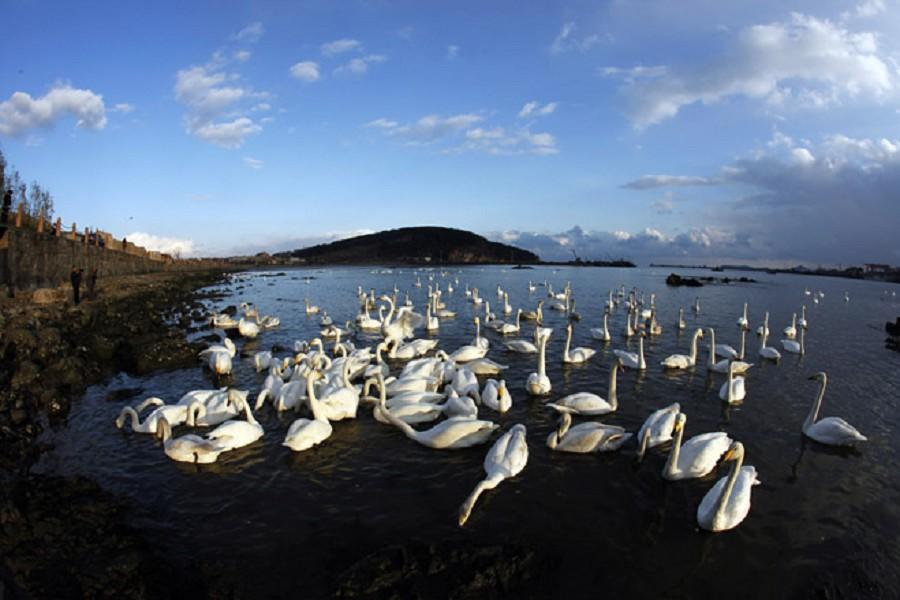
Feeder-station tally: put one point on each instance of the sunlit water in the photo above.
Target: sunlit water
(278, 522)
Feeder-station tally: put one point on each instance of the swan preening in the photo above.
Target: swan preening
(591, 436)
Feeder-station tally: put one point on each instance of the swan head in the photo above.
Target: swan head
(820, 376)
(735, 451)
(680, 420)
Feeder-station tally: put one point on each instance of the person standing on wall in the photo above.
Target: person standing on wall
(75, 277)
(92, 283)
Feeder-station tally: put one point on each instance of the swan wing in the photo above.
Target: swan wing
(834, 431)
(458, 433)
(661, 423)
(700, 454)
(677, 361)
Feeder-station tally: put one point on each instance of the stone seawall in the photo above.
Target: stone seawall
(30, 260)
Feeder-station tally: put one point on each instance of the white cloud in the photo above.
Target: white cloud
(262, 106)
(242, 55)
(253, 163)
(427, 129)
(664, 205)
(802, 156)
(633, 73)
(360, 66)
(22, 113)
(869, 8)
(306, 70)
(646, 182)
(566, 40)
(250, 34)
(228, 134)
(208, 91)
(534, 109)
(340, 46)
(452, 51)
(166, 245)
(822, 61)
(382, 123)
(123, 107)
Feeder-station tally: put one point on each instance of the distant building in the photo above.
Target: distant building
(876, 268)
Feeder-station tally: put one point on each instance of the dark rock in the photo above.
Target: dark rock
(677, 280)
(118, 395)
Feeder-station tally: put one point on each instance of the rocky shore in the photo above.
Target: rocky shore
(64, 537)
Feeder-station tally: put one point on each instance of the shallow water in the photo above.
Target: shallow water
(277, 522)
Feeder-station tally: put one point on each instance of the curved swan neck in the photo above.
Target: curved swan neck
(645, 442)
(132, 414)
(814, 411)
(697, 335)
(392, 419)
(565, 423)
(729, 485)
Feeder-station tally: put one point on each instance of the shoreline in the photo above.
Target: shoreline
(66, 536)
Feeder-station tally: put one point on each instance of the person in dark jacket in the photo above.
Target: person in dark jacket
(75, 277)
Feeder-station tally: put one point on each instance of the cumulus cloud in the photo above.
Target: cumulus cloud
(646, 182)
(253, 163)
(250, 34)
(646, 245)
(242, 55)
(306, 70)
(567, 40)
(21, 113)
(534, 109)
(166, 245)
(360, 66)
(209, 92)
(340, 46)
(805, 60)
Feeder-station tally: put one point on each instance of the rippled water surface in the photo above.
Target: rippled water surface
(282, 523)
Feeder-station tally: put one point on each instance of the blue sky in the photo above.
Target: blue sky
(692, 131)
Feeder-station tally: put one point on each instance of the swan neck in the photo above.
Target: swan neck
(729, 486)
(645, 441)
(392, 419)
(675, 452)
(613, 398)
(814, 411)
(542, 367)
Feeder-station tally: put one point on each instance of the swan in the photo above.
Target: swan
(833, 431)
(698, 456)
(451, 434)
(531, 287)
(187, 448)
(733, 390)
(401, 326)
(248, 329)
(794, 347)
(632, 360)
(727, 503)
(575, 355)
(590, 404)
(310, 308)
(412, 349)
(220, 363)
(538, 384)
(496, 396)
(723, 365)
(535, 315)
(681, 323)
(768, 351)
(586, 437)
(790, 332)
(683, 361)
(506, 458)
(237, 434)
(602, 333)
(431, 323)
(325, 320)
(742, 321)
(629, 330)
(485, 366)
(507, 308)
(509, 328)
(340, 403)
(465, 383)
(802, 320)
(226, 346)
(658, 428)
(697, 305)
(470, 351)
(262, 360)
(303, 433)
(176, 414)
(723, 349)
(764, 328)
(521, 346)
(478, 341)
(222, 322)
(216, 409)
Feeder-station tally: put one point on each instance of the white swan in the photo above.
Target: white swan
(187, 448)
(723, 365)
(698, 456)
(575, 355)
(509, 328)
(521, 346)
(303, 434)
(764, 328)
(496, 396)
(794, 347)
(262, 360)
(226, 346)
(589, 404)
(727, 503)
(802, 320)
(237, 434)
(248, 329)
(310, 309)
(586, 437)
(216, 409)
(176, 414)
(602, 333)
(658, 428)
(538, 384)
(833, 431)
(742, 321)
(220, 363)
(720, 349)
(485, 366)
(684, 361)
(768, 352)
(681, 322)
(471, 351)
(790, 332)
(733, 390)
(632, 360)
(506, 458)
(447, 435)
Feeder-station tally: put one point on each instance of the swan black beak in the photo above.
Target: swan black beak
(812, 377)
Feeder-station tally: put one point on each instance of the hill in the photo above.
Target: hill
(411, 245)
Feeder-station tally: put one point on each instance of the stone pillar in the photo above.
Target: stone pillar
(73, 232)
(20, 214)
(85, 238)
(57, 229)
(40, 221)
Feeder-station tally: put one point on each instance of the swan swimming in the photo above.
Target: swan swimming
(590, 404)
(733, 390)
(727, 503)
(698, 456)
(538, 384)
(658, 428)
(833, 431)
(683, 361)
(187, 448)
(632, 360)
(586, 437)
(575, 355)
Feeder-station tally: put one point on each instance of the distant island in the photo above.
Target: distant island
(875, 272)
(410, 245)
(414, 246)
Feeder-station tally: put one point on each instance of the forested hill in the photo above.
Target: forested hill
(411, 245)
